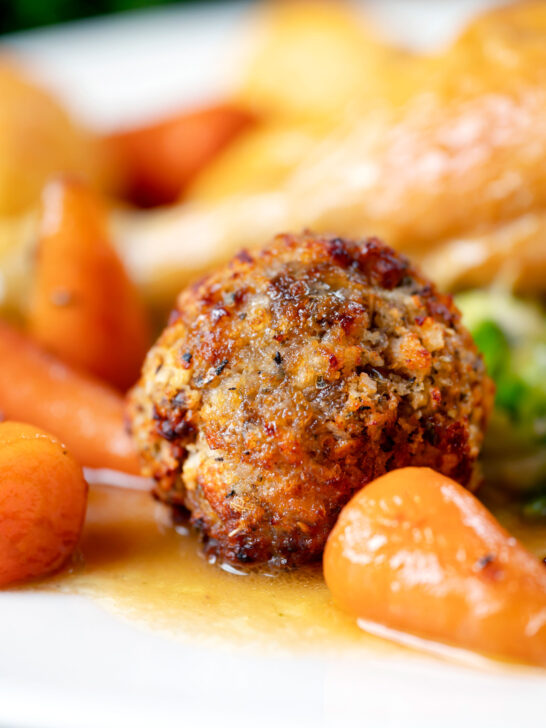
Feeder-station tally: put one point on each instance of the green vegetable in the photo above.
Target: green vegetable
(21, 14)
(493, 344)
(535, 508)
(511, 334)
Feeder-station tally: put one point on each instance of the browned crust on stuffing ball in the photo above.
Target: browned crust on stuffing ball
(287, 380)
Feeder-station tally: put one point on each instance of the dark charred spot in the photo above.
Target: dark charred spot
(431, 434)
(387, 444)
(186, 358)
(179, 515)
(339, 253)
(443, 311)
(170, 431)
(277, 358)
(238, 296)
(488, 567)
(220, 368)
(381, 265)
(179, 400)
(172, 420)
(244, 554)
(199, 524)
(284, 288)
(348, 315)
(291, 543)
(439, 305)
(373, 372)
(405, 282)
(455, 439)
(484, 561)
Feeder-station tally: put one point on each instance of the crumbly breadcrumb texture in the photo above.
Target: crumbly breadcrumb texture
(292, 377)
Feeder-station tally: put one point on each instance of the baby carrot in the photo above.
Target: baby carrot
(83, 412)
(43, 497)
(416, 552)
(84, 308)
(158, 161)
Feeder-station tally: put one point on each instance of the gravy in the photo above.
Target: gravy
(135, 562)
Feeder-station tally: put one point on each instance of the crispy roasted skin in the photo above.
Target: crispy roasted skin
(290, 378)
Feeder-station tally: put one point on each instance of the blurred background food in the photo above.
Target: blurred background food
(158, 161)
(440, 154)
(37, 139)
(334, 127)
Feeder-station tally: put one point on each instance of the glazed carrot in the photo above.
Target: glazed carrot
(158, 161)
(416, 552)
(43, 496)
(87, 415)
(83, 306)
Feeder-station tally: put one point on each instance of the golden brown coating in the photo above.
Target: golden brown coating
(290, 378)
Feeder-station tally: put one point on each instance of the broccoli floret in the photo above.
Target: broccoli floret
(511, 334)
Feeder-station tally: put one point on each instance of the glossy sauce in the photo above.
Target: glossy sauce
(133, 561)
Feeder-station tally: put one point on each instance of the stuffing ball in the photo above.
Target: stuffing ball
(292, 377)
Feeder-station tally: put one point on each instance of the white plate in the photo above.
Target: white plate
(64, 661)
